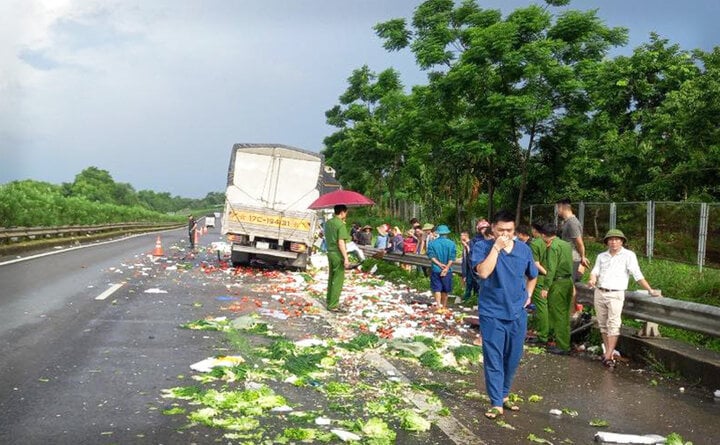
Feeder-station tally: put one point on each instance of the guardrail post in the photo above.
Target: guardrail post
(649, 329)
(650, 231)
(613, 215)
(702, 235)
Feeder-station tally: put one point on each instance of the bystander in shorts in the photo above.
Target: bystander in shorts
(608, 309)
(439, 283)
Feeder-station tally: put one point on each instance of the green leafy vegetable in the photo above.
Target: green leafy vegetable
(599, 423)
(467, 354)
(378, 431)
(432, 359)
(207, 325)
(412, 421)
(361, 342)
(182, 392)
(338, 389)
(533, 438)
(676, 439)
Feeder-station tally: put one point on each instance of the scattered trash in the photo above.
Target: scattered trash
(346, 436)
(211, 362)
(555, 412)
(322, 421)
(155, 290)
(244, 323)
(280, 315)
(282, 409)
(649, 439)
(225, 298)
(717, 394)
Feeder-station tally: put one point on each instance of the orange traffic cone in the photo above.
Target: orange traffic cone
(158, 251)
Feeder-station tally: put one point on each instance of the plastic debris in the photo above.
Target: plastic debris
(225, 298)
(649, 439)
(415, 348)
(281, 409)
(346, 436)
(244, 322)
(155, 290)
(555, 412)
(308, 342)
(280, 315)
(211, 362)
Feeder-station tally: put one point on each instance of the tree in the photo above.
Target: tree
(628, 134)
(367, 151)
(94, 184)
(505, 84)
(685, 130)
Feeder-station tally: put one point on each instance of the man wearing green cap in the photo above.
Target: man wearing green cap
(610, 277)
(336, 235)
(557, 287)
(442, 253)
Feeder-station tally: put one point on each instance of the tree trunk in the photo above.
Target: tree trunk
(524, 162)
(491, 190)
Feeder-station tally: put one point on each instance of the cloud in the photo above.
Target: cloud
(38, 59)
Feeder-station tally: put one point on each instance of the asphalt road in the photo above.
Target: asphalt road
(77, 370)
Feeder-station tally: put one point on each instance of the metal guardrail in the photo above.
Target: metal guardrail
(687, 315)
(694, 317)
(17, 234)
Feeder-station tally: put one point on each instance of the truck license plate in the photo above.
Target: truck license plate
(262, 245)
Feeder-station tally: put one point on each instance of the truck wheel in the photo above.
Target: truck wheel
(300, 263)
(239, 258)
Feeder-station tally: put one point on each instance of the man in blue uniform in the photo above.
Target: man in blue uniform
(442, 253)
(509, 275)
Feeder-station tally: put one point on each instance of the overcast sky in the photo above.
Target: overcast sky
(156, 92)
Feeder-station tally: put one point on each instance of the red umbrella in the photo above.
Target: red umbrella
(347, 197)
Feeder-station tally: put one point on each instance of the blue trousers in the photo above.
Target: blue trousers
(503, 342)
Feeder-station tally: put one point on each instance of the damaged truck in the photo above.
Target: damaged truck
(269, 189)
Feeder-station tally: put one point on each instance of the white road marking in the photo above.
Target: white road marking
(109, 291)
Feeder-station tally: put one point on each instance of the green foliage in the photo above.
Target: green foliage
(513, 103)
(93, 198)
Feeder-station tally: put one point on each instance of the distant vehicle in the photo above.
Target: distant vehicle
(210, 220)
(268, 192)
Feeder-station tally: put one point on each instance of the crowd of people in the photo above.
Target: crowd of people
(509, 269)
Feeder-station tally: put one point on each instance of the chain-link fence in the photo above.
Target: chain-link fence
(680, 231)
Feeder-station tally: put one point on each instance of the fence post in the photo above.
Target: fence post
(702, 235)
(613, 215)
(531, 212)
(650, 231)
(581, 214)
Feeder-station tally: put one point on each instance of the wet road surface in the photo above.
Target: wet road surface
(80, 370)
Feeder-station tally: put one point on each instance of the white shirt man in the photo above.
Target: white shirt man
(609, 277)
